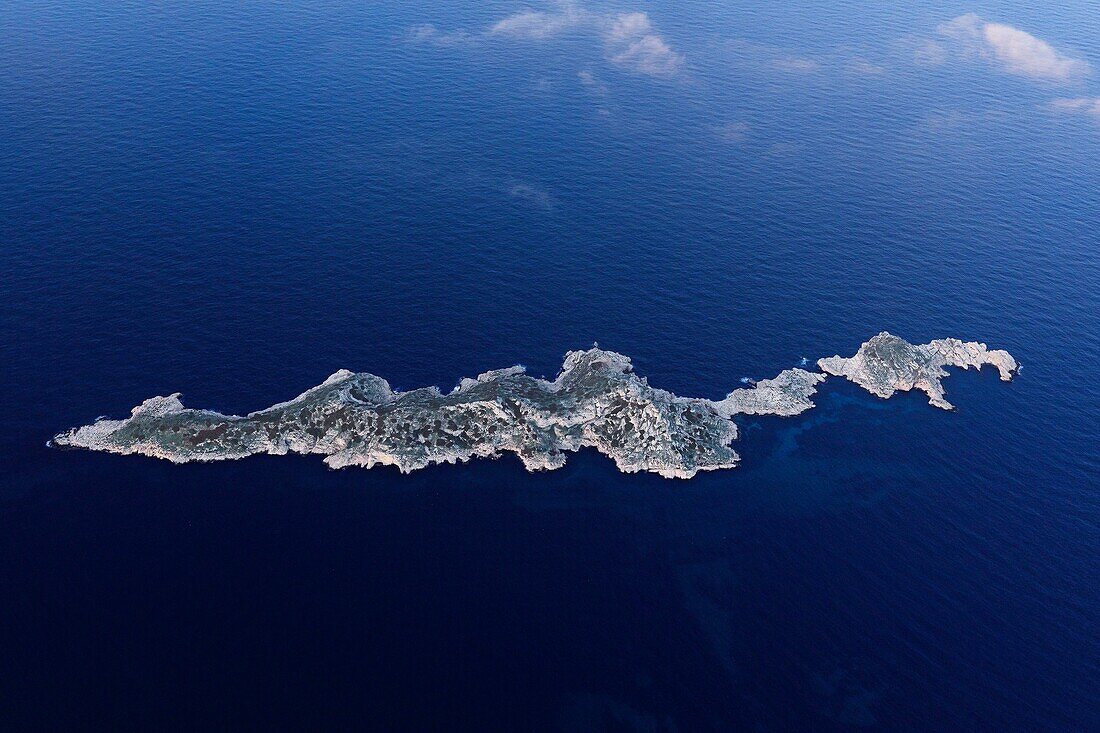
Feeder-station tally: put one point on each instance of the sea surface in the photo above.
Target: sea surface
(234, 200)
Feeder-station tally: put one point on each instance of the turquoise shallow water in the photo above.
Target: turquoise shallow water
(234, 202)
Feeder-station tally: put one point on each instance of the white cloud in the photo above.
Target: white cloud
(965, 30)
(631, 42)
(628, 39)
(627, 27)
(1015, 51)
(1078, 105)
(537, 25)
(1024, 54)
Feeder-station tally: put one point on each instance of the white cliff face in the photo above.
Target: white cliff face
(596, 401)
(887, 364)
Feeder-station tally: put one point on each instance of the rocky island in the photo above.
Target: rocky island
(596, 401)
(888, 364)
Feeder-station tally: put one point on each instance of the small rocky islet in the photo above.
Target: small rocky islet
(596, 401)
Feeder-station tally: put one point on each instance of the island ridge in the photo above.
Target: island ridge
(596, 401)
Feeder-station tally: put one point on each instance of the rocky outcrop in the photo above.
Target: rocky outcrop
(887, 364)
(788, 394)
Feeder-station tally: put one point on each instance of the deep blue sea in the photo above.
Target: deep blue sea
(235, 199)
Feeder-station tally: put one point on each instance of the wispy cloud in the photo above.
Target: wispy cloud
(631, 42)
(942, 120)
(430, 35)
(863, 67)
(1078, 106)
(1010, 49)
(532, 195)
(733, 132)
(627, 27)
(537, 25)
(628, 39)
(589, 80)
(762, 57)
(796, 64)
(927, 52)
